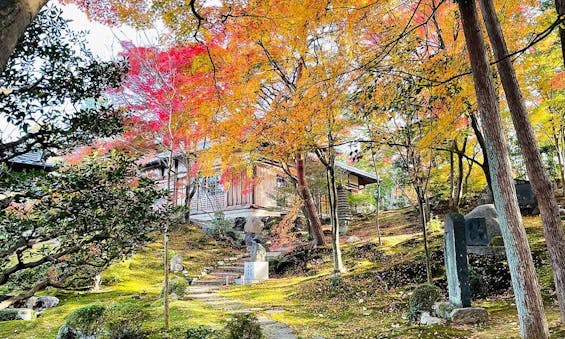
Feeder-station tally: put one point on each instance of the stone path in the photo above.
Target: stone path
(208, 293)
(206, 290)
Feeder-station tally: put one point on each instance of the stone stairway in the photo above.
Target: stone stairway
(205, 288)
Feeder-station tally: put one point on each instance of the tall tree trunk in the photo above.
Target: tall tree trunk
(306, 196)
(560, 8)
(533, 323)
(15, 16)
(541, 183)
(481, 140)
(166, 244)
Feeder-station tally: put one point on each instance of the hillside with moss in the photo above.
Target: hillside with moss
(369, 301)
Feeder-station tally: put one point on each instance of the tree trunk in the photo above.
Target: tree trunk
(540, 181)
(481, 140)
(306, 196)
(460, 174)
(560, 8)
(451, 204)
(377, 221)
(420, 193)
(332, 194)
(527, 294)
(15, 16)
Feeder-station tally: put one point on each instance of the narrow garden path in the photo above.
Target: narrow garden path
(206, 290)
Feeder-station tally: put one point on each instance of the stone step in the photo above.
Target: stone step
(225, 274)
(193, 289)
(201, 296)
(214, 282)
(231, 268)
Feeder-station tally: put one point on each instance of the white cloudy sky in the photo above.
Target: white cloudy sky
(104, 41)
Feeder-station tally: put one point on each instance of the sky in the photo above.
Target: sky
(104, 41)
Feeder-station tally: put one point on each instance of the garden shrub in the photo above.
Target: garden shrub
(422, 299)
(222, 227)
(88, 320)
(243, 326)
(124, 320)
(201, 332)
(178, 286)
(8, 314)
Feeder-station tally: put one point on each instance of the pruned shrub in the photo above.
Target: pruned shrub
(88, 320)
(178, 286)
(202, 332)
(422, 299)
(243, 326)
(124, 320)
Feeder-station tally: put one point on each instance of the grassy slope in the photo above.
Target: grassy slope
(363, 305)
(139, 275)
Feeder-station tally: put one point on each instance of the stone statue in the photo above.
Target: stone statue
(258, 251)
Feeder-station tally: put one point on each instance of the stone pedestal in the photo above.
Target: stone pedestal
(255, 271)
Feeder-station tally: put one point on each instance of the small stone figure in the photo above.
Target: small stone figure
(258, 251)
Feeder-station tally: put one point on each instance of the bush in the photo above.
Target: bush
(422, 300)
(124, 320)
(88, 320)
(221, 227)
(178, 286)
(201, 332)
(243, 326)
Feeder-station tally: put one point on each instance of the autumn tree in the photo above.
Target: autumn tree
(166, 94)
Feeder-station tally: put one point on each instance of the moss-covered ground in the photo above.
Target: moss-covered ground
(369, 301)
(140, 277)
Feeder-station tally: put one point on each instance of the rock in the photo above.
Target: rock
(176, 263)
(491, 218)
(353, 239)
(173, 296)
(46, 302)
(17, 314)
(428, 320)
(442, 309)
(31, 302)
(66, 332)
(253, 225)
(562, 213)
(469, 315)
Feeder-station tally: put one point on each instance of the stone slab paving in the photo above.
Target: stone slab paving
(208, 293)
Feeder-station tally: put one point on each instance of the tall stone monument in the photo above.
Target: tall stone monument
(456, 265)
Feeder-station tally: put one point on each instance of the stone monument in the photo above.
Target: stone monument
(456, 261)
(457, 233)
(257, 269)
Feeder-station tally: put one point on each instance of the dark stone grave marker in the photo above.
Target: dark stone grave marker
(456, 261)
